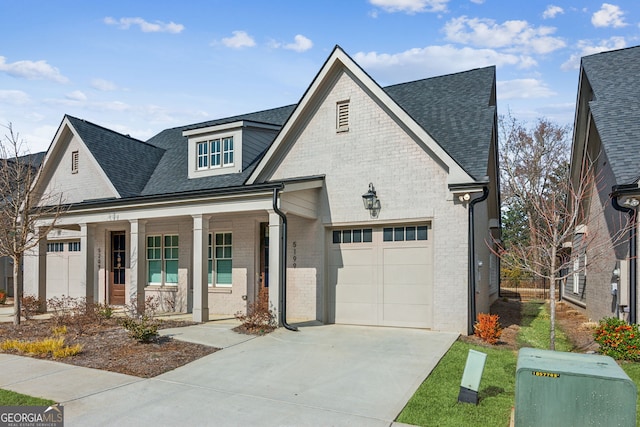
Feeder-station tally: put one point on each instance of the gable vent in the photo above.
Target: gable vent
(74, 162)
(342, 116)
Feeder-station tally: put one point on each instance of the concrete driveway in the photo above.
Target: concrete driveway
(323, 375)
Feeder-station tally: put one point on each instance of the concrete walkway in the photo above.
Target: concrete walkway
(323, 375)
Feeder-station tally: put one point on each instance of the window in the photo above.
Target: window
(55, 247)
(364, 235)
(223, 254)
(74, 162)
(576, 275)
(74, 246)
(215, 153)
(400, 234)
(162, 260)
(203, 155)
(342, 116)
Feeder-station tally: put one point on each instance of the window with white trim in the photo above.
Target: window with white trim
(162, 259)
(401, 234)
(55, 247)
(364, 235)
(222, 259)
(576, 275)
(216, 153)
(74, 246)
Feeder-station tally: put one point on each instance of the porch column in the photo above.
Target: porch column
(137, 258)
(275, 243)
(200, 268)
(87, 252)
(40, 266)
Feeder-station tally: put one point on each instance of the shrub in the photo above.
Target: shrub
(259, 319)
(3, 297)
(77, 313)
(30, 306)
(487, 328)
(143, 328)
(618, 339)
(53, 346)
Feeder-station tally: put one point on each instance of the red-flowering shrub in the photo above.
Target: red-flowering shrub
(487, 328)
(618, 339)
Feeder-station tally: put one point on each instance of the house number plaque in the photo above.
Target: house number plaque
(295, 257)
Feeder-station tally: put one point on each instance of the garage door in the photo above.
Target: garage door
(64, 275)
(381, 276)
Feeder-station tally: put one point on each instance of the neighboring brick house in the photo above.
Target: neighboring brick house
(607, 137)
(197, 214)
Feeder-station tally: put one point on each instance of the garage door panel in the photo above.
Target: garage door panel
(356, 293)
(357, 313)
(412, 315)
(406, 256)
(56, 280)
(407, 294)
(406, 274)
(352, 256)
(352, 274)
(76, 281)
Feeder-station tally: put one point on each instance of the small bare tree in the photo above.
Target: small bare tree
(22, 208)
(567, 207)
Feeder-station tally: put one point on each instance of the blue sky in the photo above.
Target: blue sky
(138, 67)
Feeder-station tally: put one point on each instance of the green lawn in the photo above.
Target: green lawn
(10, 398)
(435, 403)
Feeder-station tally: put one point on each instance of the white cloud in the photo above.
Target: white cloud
(411, 6)
(586, 48)
(609, 15)
(552, 11)
(510, 34)
(523, 89)
(76, 95)
(13, 97)
(239, 40)
(145, 26)
(477, 1)
(32, 70)
(103, 85)
(300, 44)
(429, 61)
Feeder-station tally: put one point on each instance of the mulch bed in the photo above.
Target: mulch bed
(107, 346)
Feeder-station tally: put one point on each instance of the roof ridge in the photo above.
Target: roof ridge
(111, 131)
(440, 76)
(611, 51)
(236, 116)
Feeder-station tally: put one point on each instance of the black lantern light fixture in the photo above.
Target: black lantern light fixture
(371, 202)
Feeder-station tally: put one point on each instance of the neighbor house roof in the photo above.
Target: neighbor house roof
(614, 78)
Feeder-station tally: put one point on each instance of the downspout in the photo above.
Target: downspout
(632, 255)
(472, 263)
(283, 263)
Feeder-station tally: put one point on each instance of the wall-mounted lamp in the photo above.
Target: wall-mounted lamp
(371, 202)
(464, 197)
(630, 202)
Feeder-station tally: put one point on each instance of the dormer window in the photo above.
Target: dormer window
(226, 148)
(215, 153)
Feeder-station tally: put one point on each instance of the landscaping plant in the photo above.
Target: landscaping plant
(260, 318)
(488, 328)
(3, 297)
(30, 306)
(618, 339)
(142, 324)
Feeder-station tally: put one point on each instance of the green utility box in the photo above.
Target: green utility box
(569, 389)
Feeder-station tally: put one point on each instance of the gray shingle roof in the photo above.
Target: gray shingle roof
(127, 162)
(170, 175)
(457, 110)
(615, 80)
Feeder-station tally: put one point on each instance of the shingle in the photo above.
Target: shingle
(127, 162)
(457, 110)
(614, 78)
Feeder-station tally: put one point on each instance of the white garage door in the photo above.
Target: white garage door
(381, 276)
(64, 275)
